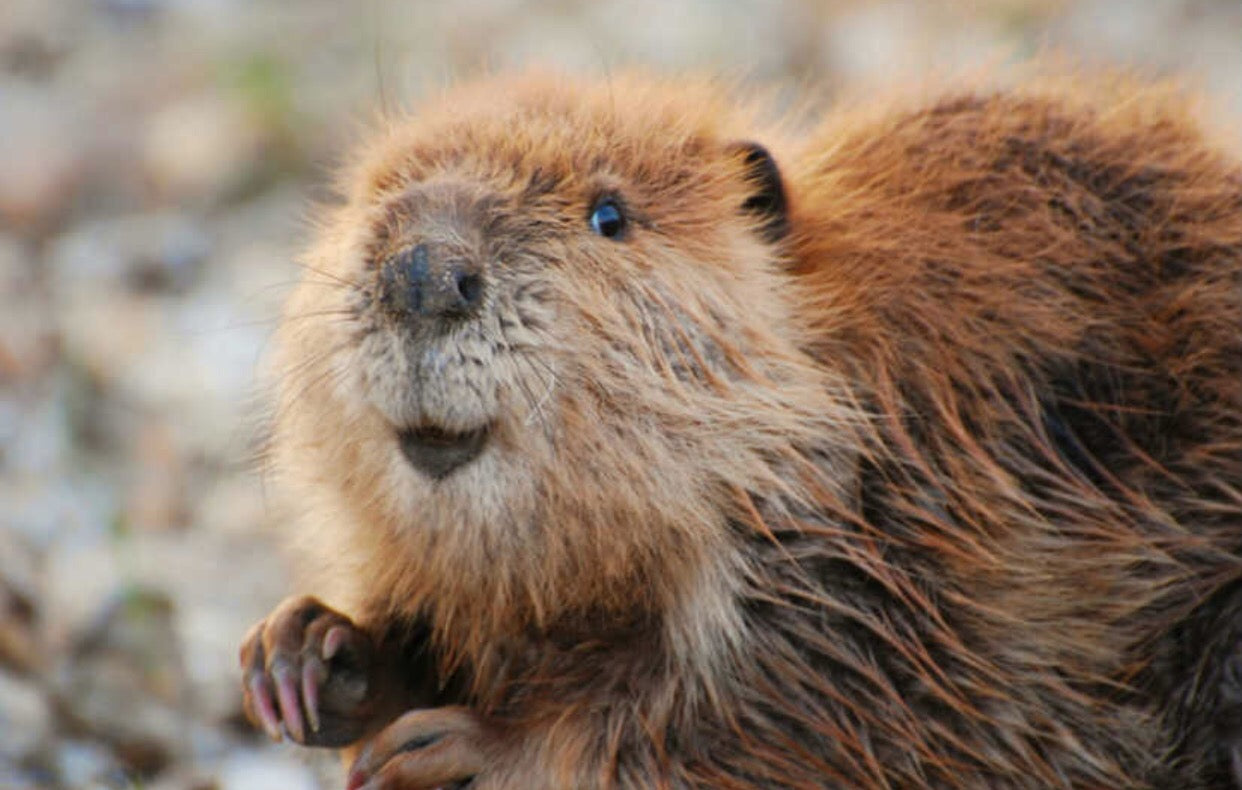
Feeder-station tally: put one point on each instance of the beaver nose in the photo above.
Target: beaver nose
(427, 282)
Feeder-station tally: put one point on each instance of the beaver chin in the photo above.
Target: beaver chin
(437, 452)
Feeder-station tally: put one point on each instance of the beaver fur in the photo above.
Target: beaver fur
(901, 452)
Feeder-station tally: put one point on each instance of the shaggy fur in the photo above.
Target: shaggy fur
(933, 480)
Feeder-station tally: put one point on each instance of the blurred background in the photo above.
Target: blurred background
(156, 161)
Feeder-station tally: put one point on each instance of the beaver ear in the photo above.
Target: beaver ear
(767, 197)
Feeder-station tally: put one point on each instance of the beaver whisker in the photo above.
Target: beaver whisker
(553, 383)
(332, 277)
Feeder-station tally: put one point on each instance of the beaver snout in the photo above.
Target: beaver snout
(430, 283)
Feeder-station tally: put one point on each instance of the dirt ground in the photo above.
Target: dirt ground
(156, 161)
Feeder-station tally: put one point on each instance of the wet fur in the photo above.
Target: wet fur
(937, 481)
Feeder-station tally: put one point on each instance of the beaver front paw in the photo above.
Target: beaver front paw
(310, 669)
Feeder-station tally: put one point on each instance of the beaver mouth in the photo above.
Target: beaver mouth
(437, 452)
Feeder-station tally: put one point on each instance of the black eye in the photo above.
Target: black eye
(607, 219)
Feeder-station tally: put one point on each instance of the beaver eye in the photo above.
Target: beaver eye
(607, 219)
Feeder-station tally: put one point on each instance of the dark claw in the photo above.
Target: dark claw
(313, 673)
(287, 695)
(263, 707)
(333, 641)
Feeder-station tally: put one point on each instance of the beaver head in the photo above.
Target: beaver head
(549, 336)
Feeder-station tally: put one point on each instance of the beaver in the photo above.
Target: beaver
(642, 441)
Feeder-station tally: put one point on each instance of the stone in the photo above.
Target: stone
(202, 148)
(42, 160)
(87, 765)
(263, 770)
(25, 720)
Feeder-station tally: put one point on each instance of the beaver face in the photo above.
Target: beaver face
(501, 282)
(532, 309)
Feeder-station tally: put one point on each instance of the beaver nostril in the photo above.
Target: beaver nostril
(469, 288)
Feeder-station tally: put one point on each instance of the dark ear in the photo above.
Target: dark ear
(767, 196)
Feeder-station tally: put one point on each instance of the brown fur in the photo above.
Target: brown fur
(935, 491)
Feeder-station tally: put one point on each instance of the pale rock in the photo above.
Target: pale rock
(25, 719)
(157, 490)
(202, 147)
(42, 159)
(81, 571)
(264, 770)
(87, 765)
(874, 41)
(27, 334)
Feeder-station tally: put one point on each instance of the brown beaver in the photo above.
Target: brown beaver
(635, 453)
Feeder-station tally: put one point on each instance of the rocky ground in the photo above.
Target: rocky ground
(156, 157)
